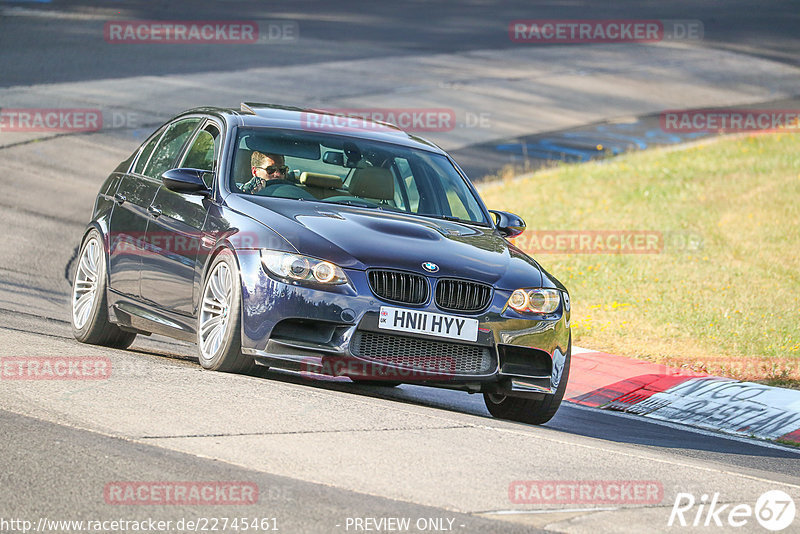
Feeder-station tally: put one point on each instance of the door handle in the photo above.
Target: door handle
(155, 211)
(119, 199)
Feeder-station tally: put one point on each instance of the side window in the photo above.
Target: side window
(204, 151)
(169, 146)
(144, 156)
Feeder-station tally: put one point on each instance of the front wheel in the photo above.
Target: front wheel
(90, 322)
(219, 320)
(531, 411)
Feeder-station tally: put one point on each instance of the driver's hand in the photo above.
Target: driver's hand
(260, 184)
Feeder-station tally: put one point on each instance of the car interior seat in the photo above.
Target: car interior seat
(242, 169)
(372, 183)
(321, 185)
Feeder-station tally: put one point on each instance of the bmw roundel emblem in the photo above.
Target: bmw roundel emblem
(430, 266)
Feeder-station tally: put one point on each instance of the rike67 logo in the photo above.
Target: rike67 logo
(774, 510)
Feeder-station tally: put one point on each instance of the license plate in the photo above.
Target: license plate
(433, 324)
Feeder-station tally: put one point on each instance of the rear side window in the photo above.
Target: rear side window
(169, 146)
(147, 151)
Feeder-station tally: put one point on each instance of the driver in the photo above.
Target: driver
(266, 168)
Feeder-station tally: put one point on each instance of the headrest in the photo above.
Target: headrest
(316, 179)
(372, 182)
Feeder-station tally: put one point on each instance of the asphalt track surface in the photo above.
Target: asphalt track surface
(47, 50)
(320, 451)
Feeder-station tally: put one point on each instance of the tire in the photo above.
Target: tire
(531, 411)
(89, 302)
(219, 318)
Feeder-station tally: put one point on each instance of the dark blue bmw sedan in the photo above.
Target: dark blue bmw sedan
(325, 244)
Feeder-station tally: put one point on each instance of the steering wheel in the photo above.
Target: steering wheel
(273, 185)
(279, 181)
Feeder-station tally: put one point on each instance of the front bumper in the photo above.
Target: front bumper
(334, 331)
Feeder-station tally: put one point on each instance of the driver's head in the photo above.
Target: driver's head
(268, 166)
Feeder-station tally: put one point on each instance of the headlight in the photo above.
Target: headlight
(302, 268)
(535, 300)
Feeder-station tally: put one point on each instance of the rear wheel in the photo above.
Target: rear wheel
(532, 411)
(90, 322)
(219, 321)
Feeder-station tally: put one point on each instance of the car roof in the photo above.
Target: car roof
(293, 118)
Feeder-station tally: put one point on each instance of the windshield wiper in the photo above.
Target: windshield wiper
(455, 219)
(363, 204)
(357, 203)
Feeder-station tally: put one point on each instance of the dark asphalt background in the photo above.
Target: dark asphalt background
(50, 50)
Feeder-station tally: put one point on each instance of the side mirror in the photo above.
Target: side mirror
(508, 224)
(333, 158)
(189, 181)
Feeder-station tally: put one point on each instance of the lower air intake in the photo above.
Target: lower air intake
(423, 354)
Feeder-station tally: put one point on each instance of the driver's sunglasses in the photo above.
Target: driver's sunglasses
(276, 168)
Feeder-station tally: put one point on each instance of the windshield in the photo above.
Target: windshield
(343, 170)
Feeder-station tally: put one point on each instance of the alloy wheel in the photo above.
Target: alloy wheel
(84, 291)
(215, 310)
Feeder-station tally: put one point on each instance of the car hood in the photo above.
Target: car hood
(362, 238)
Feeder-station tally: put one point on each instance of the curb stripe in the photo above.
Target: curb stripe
(792, 436)
(598, 378)
(612, 382)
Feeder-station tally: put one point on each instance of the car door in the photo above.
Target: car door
(128, 222)
(169, 274)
